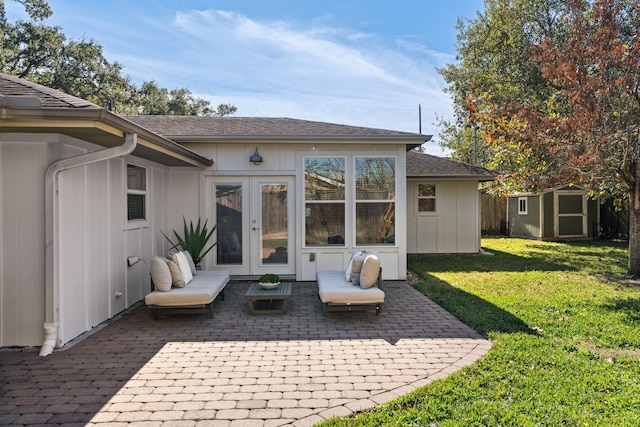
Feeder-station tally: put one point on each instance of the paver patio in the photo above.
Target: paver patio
(239, 369)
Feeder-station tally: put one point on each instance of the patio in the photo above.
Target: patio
(239, 369)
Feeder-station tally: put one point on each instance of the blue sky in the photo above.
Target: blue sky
(357, 62)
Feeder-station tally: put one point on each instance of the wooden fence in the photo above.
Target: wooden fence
(494, 214)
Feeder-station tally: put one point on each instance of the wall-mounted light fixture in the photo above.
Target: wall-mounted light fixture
(256, 158)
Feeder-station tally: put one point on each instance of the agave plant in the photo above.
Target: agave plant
(194, 240)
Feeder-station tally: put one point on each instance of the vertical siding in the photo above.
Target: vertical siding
(93, 243)
(22, 291)
(453, 228)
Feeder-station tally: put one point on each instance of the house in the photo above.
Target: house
(82, 190)
(560, 213)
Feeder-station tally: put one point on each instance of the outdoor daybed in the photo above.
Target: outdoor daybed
(177, 285)
(357, 288)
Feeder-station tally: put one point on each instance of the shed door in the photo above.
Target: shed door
(570, 214)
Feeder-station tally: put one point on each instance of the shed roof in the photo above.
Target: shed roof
(421, 165)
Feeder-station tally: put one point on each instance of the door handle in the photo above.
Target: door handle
(256, 228)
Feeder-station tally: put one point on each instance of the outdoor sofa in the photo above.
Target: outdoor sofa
(177, 285)
(357, 288)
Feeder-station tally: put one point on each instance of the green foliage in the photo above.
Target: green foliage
(194, 240)
(269, 278)
(565, 327)
(42, 54)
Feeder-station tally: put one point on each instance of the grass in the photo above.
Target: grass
(565, 327)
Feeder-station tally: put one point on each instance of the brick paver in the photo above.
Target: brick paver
(238, 369)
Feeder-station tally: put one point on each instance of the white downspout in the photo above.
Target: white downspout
(52, 281)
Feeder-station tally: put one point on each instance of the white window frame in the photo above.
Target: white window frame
(142, 222)
(345, 201)
(418, 198)
(523, 205)
(356, 201)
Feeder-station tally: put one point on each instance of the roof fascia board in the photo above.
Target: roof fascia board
(99, 119)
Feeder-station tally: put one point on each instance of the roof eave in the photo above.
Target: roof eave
(400, 139)
(100, 115)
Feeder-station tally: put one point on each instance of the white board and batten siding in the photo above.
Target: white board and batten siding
(455, 224)
(232, 160)
(94, 237)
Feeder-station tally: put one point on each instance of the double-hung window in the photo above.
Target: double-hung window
(375, 182)
(136, 193)
(324, 194)
(426, 198)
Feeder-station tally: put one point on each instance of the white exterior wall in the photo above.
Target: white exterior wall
(455, 225)
(232, 160)
(22, 252)
(95, 238)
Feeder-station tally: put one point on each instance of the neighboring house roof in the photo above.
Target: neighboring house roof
(265, 129)
(421, 165)
(33, 108)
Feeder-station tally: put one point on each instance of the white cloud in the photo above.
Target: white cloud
(306, 70)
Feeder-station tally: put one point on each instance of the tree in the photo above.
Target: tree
(43, 54)
(495, 66)
(589, 128)
(580, 124)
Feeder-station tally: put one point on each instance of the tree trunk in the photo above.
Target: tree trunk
(634, 226)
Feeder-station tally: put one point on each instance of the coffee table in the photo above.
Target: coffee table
(268, 301)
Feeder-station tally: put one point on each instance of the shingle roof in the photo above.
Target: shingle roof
(11, 86)
(259, 127)
(421, 165)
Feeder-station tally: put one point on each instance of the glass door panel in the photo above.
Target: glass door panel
(229, 221)
(274, 242)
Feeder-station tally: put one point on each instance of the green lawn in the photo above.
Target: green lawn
(565, 327)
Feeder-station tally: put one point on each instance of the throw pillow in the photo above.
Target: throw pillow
(347, 273)
(180, 259)
(192, 265)
(356, 267)
(160, 274)
(370, 270)
(177, 278)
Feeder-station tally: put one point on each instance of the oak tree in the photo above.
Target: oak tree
(32, 50)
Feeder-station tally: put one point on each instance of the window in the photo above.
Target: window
(426, 198)
(324, 193)
(522, 205)
(375, 200)
(370, 184)
(136, 193)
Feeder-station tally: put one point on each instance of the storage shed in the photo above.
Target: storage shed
(561, 213)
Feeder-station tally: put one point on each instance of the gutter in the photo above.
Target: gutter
(52, 270)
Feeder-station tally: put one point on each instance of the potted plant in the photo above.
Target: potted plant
(194, 240)
(269, 281)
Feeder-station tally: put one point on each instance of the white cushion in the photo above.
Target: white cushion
(347, 273)
(176, 274)
(160, 274)
(202, 290)
(192, 265)
(356, 267)
(180, 259)
(332, 288)
(370, 271)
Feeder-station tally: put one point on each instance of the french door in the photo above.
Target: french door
(255, 224)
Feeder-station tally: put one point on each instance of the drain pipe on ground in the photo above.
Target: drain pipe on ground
(52, 268)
